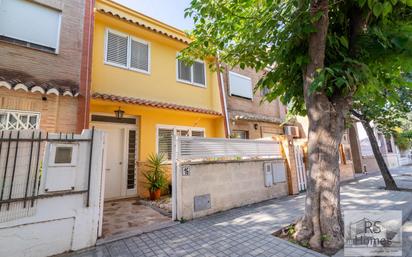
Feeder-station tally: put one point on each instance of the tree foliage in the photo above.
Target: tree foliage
(274, 35)
(318, 55)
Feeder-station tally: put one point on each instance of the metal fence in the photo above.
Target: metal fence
(204, 148)
(21, 155)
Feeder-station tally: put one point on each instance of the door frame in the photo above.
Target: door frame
(125, 193)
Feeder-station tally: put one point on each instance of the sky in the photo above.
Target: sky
(170, 12)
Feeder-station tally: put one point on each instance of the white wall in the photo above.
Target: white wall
(60, 223)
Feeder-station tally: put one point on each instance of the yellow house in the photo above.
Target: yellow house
(135, 73)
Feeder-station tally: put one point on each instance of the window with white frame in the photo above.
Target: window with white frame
(240, 85)
(165, 133)
(194, 74)
(17, 120)
(125, 51)
(30, 24)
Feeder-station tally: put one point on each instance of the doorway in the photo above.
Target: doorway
(121, 155)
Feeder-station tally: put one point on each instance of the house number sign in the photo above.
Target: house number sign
(186, 170)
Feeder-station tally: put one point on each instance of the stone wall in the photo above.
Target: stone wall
(230, 184)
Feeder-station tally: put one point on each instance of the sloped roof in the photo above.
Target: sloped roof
(33, 87)
(151, 103)
(119, 11)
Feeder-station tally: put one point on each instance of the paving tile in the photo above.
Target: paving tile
(242, 231)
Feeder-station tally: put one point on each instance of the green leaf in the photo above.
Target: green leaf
(370, 3)
(362, 3)
(344, 41)
(409, 2)
(387, 8)
(242, 66)
(377, 9)
(394, 2)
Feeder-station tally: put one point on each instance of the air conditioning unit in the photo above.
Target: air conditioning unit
(292, 131)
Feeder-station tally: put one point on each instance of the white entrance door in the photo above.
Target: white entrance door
(117, 166)
(114, 162)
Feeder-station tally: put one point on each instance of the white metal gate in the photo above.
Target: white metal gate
(300, 166)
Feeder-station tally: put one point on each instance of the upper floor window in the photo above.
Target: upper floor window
(30, 24)
(12, 120)
(240, 85)
(127, 52)
(194, 74)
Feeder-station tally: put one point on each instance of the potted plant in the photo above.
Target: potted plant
(155, 175)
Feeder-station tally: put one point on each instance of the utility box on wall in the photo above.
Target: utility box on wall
(268, 175)
(59, 167)
(279, 172)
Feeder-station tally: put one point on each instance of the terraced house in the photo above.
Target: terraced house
(142, 95)
(44, 64)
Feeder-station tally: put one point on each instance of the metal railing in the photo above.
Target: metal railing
(204, 148)
(21, 155)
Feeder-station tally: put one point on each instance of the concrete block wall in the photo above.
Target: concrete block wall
(230, 184)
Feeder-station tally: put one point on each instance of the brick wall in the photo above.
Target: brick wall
(43, 66)
(259, 132)
(57, 113)
(274, 109)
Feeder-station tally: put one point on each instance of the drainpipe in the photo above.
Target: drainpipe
(83, 108)
(223, 99)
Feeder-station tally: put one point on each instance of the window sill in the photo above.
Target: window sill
(242, 97)
(28, 45)
(126, 68)
(191, 83)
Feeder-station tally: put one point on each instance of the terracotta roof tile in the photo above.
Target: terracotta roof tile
(101, 10)
(145, 102)
(43, 88)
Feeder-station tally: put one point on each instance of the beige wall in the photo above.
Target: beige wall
(229, 183)
(372, 166)
(57, 113)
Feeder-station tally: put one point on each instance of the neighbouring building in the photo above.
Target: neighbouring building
(142, 95)
(44, 71)
(346, 160)
(387, 147)
(248, 116)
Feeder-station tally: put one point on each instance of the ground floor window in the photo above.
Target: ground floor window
(240, 134)
(165, 133)
(17, 120)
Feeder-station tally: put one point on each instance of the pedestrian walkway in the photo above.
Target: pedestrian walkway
(247, 231)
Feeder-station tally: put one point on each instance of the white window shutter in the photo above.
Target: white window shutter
(116, 49)
(199, 73)
(165, 142)
(240, 85)
(139, 56)
(184, 71)
(30, 22)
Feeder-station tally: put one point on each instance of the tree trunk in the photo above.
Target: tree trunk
(321, 225)
(387, 177)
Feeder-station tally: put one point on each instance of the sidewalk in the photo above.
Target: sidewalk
(247, 231)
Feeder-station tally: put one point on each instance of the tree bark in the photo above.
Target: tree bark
(390, 183)
(321, 226)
